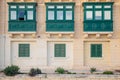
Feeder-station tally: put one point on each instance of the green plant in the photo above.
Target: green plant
(60, 70)
(108, 72)
(11, 70)
(92, 70)
(38, 71)
(34, 72)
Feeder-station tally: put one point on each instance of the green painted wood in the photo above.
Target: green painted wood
(96, 50)
(59, 25)
(22, 26)
(98, 25)
(60, 50)
(24, 50)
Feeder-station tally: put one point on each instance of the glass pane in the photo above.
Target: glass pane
(107, 15)
(89, 15)
(50, 15)
(12, 6)
(51, 7)
(21, 15)
(98, 15)
(59, 15)
(108, 6)
(68, 15)
(30, 6)
(30, 15)
(69, 7)
(60, 7)
(13, 15)
(22, 6)
(98, 6)
(89, 7)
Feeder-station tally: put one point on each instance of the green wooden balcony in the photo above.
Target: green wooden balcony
(22, 26)
(98, 26)
(60, 26)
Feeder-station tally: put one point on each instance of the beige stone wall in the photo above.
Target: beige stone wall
(81, 52)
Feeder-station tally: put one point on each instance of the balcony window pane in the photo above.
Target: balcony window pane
(13, 15)
(89, 15)
(69, 7)
(30, 15)
(60, 7)
(50, 15)
(21, 15)
(98, 15)
(30, 6)
(51, 7)
(13, 7)
(98, 6)
(59, 15)
(89, 7)
(22, 6)
(108, 6)
(68, 15)
(107, 15)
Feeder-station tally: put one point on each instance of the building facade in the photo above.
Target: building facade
(73, 34)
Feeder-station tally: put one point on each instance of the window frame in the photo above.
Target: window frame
(20, 54)
(60, 55)
(17, 9)
(96, 54)
(55, 9)
(102, 9)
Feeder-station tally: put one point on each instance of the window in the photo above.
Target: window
(107, 15)
(22, 12)
(60, 50)
(61, 12)
(89, 15)
(59, 15)
(96, 50)
(51, 15)
(13, 15)
(98, 15)
(24, 50)
(101, 11)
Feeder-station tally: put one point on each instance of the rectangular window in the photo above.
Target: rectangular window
(89, 7)
(96, 50)
(13, 15)
(21, 15)
(59, 12)
(98, 15)
(89, 15)
(107, 15)
(24, 50)
(50, 15)
(59, 15)
(29, 15)
(60, 50)
(68, 15)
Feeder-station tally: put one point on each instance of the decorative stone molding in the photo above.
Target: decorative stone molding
(22, 35)
(97, 35)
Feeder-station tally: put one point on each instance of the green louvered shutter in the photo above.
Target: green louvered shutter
(60, 50)
(24, 50)
(96, 50)
(93, 50)
(99, 50)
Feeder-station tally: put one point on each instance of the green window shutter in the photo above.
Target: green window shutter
(93, 50)
(99, 50)
(96, 50)
(24, 50)
(60, 50)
